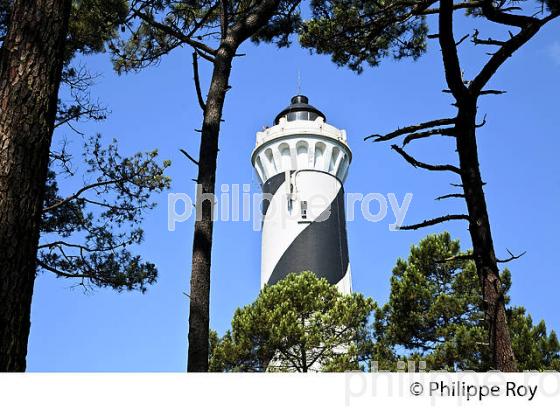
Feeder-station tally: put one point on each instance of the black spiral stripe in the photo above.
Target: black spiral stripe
(322, 247)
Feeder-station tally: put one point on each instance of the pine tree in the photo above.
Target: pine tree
(435, 314)
(87, 234)
(37, 43)
(300, 324)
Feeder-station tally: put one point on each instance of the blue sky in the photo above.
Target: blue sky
(109, 331)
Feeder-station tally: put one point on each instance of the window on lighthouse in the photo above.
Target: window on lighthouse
(302, 157)
(286, 157)
(334, 159)
(270, 162)
(320, 156)
(303, 209)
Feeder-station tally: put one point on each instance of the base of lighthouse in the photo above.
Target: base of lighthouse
(304, 228)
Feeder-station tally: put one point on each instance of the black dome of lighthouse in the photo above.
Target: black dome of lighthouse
(299, 109)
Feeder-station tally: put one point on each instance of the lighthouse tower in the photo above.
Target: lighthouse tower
(302, 163)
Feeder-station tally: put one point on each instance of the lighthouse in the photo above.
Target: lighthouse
(302, 163)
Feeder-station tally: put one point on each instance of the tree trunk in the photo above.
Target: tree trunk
(202, 243)
(30, 70)
(483, 247)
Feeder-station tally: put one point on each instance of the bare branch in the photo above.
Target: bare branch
(476, 40)
(458, 43)
(487, 41)
(439, 198)
(501, 17)
(205, 56)
(417, 164)
(482, 124)
(435, 221)
(436, 131)
(186, 154)
(511, 258)
(493, 92)
(529, 27)
(93, 111)
(201, 101)
(410, 129)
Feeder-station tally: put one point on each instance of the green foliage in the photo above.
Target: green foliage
(87, 235)
(160, 26)
(535, 349)
(433, 302)
(435, 314)
(361, 32)
(355, 32)
(92, 23)
(285, 22)
(299, 324)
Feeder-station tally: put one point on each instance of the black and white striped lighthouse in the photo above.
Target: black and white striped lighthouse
(302, 163)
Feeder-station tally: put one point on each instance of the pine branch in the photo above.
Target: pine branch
(458, 6)
(529, 27)
(482, 124)
(201, 101)
(435, 221)
(410, 129)
(439, 198)
(175, 33)
(511, 258)
(417, 164)
(493, 92)
(456, 258)
(500, 16)
(81, 191)
(476, 40)
(450, 131)
(186, 154)
(65, 274)
(458, 43)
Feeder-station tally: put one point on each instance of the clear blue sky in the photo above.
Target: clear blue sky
(108, 331)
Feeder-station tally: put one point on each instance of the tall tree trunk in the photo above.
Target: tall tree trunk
(30, 71)
(232, 38)
(202, 243)
(483, 246)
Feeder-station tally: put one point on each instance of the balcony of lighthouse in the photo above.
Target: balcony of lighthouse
(301, 144)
